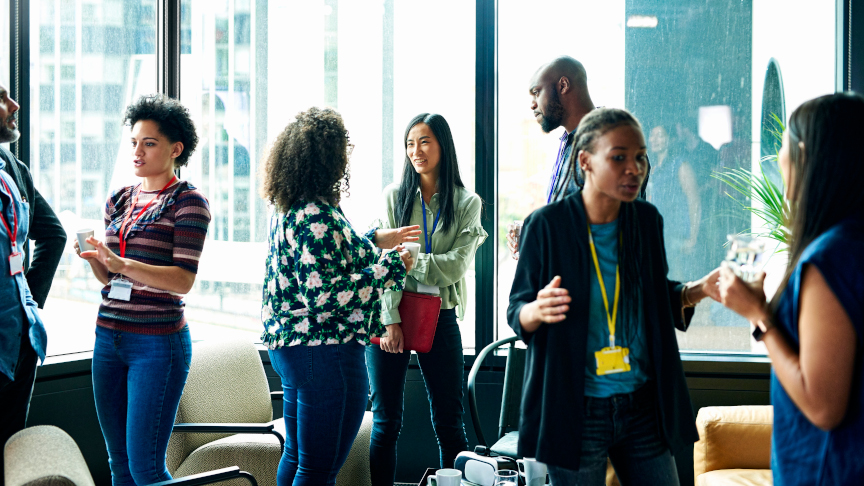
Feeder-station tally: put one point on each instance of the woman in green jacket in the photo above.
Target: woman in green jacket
(431, 194)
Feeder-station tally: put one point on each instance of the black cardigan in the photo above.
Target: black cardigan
(45, 230)
(554, 241)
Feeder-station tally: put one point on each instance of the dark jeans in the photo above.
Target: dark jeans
(15, 395)
(443, 369)
(137, 382)
(325, 398)
(624, 428)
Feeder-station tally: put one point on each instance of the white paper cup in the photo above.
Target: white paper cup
(414, 248)
(83, 234)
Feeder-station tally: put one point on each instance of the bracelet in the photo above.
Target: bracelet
(685, 300)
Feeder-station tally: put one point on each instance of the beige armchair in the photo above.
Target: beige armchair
(227, 393)
(734, 447)
(44, 455)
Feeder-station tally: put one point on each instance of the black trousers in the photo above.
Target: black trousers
(15, 394)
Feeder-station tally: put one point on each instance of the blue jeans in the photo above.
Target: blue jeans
(443, 371)
(137, 382)
(325, 398)
(624, 428)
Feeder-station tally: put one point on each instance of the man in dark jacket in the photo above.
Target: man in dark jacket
(47, 233)
(22, 335)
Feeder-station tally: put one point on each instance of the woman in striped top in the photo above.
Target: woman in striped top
(154, 234)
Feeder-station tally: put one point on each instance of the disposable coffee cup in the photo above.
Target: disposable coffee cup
(83, 234)
(414, 248)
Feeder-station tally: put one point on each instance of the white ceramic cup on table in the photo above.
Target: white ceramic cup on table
(445, 477)
(533, 471)
(83, 234)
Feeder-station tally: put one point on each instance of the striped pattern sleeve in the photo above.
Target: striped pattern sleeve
(192, 217)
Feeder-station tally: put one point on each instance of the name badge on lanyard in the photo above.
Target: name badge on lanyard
(612, 359)
(16, 258)
(121, 289)
(421, 287)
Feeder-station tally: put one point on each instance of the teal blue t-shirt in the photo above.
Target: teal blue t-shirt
(629, 329)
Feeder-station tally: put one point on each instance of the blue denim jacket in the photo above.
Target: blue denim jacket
(16, 302)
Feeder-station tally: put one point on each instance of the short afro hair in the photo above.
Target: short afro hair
(173, 119)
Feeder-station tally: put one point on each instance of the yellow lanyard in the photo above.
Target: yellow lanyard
(609, 318)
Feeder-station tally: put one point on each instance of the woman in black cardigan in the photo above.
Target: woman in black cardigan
(605, 378)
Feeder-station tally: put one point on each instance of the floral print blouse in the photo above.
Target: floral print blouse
(323, 280)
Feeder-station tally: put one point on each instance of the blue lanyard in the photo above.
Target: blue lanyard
(428, 236)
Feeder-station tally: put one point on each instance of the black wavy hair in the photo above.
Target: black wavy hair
(173, 119)
(308, 160)
(448, 174)
(593, 126)
(821, 196)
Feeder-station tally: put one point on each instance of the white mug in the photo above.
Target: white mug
(533, 471)
(445, 477)
(83, 234)
(413, 248)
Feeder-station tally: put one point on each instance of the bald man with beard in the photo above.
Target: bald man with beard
(559, 97)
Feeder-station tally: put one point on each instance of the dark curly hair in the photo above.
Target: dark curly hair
(173, 119)
(308, 160)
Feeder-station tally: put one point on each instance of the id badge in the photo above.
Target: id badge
(427, 289)
(612, 360)
(121, 289)
(16, 263)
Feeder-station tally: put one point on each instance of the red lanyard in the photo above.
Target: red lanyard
(129, 215)
(13, 235)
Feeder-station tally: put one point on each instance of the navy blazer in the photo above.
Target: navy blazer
(554, 241)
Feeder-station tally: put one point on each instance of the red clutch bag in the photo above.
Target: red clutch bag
(419, 313)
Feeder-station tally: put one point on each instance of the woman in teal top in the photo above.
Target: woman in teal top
(814, 325)
(591, 299)
(431, 194)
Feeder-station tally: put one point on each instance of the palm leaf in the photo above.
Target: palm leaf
(765, 198)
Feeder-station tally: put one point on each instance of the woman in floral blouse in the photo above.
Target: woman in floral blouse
(321, 291)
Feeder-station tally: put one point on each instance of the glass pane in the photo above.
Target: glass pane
(89, 61)
(693, 74)
(249, 66)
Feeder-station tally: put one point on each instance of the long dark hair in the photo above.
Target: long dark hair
(593, 126)
(820, 196)
(448, 174)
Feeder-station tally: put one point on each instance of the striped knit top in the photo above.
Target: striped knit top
(170, 232)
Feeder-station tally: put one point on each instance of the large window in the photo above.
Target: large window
(247, 67)
(88, 61)
(693, 73)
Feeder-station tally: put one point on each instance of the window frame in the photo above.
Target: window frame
(849, 76)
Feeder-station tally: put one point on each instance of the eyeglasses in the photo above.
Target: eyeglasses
(349, 145)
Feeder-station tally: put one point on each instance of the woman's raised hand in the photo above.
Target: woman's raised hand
(746, 299)
(390, 238)
(550, 307)
(112, 262)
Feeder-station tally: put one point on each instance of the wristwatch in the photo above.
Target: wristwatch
(758, 333)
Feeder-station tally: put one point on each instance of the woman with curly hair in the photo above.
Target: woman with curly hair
(321, 291)
(154, 234)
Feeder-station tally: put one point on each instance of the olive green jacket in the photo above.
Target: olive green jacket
(452, 251)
